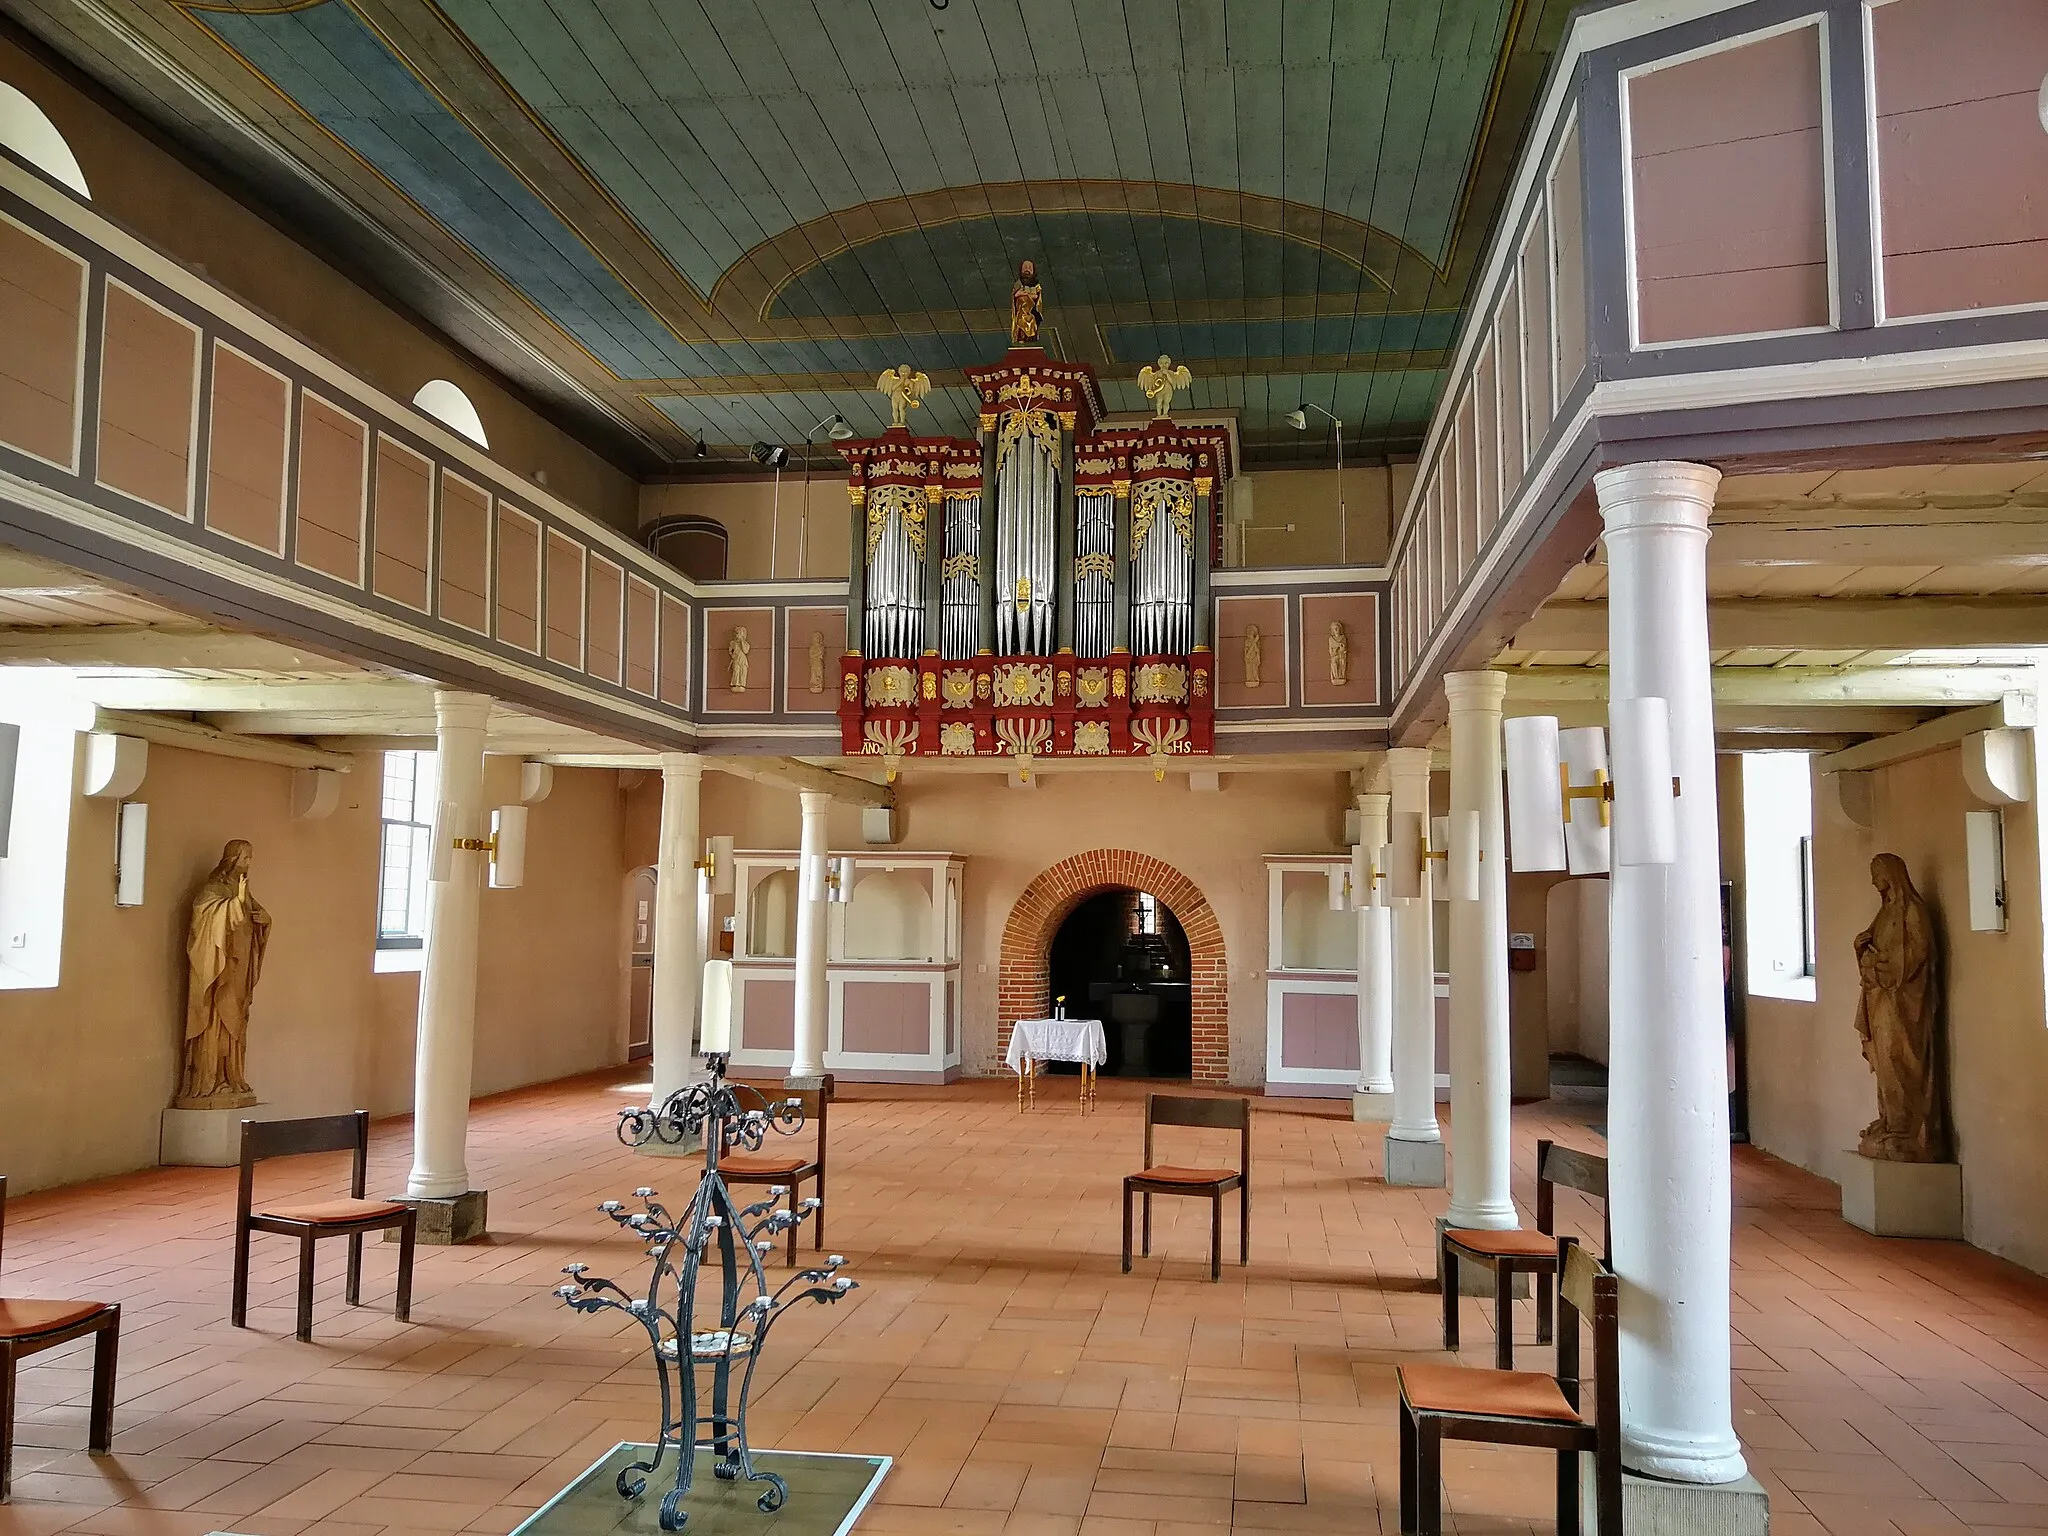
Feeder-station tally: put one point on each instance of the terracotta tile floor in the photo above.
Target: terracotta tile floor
(1026, 1388)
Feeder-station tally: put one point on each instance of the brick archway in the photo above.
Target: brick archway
(1023, 982)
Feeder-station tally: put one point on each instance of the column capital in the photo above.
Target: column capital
(1482, 690)
(816, 802)
(1660, 493)
(1408, 763)
(1375, 804)
(681, 765)
(455, 711)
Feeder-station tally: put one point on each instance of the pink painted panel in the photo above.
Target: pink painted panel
(42, 296)
(518, 579)
(148, 402)
(246, 444)
(334, 451)
(828, 627)
(767, 1014)
(721, 626)
(886, 1018)
(1961, 158)
(642, 605)
(1319, 1031)
(607, 619)
(404, 526)
(675, 652)
(1568, 261)
(1359, 613)
(1235, 618)
(952, 1011)
(465, 555)
(1729, 168)
(565, 600)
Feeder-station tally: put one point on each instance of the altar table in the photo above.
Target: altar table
(1035, 1041)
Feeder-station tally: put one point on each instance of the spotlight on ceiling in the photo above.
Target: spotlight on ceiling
(699, 450)
(840, 431)
(769, 455)
(1298, 418)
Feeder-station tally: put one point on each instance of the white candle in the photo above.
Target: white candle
(715, 1019)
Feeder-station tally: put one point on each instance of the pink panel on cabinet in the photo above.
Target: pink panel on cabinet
(1319, 1031)
(886, 1018)
(767, 1014)
(1729, 167)
(1961, 157)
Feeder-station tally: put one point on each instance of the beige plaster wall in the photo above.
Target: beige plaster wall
(90, 1064)
(1528, 994)
(1009, 836)
(1307, 499)
(156, 196)
(815, 542)
(1810, 1092)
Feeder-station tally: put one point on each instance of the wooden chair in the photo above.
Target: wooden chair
(313, 1220)
(771, 1165)
(1231, 1114)
(1517, 1250)
(30, 1327)
(1440, 1402)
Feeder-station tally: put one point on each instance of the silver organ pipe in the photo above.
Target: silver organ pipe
(1027, 496)
(897, 528)
(1094, 573)
(960, 606)
(1162, 567)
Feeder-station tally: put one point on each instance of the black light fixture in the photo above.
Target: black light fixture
(769, 455)
(699, 451)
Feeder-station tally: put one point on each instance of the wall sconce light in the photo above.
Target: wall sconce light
(1984, 851)
(839, 880)
(131, 845)
(716, 865)
(506, 846)
(1566, 812)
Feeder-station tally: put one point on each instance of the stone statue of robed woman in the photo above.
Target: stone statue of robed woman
(1897, 1017)
(224, 954)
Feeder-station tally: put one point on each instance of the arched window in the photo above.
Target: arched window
(452, 408)
(28, 133)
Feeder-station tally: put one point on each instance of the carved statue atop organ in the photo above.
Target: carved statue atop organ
(1043, 590)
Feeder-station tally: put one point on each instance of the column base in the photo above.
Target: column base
(447, 1219)
(205, 1138)
(1650, 1506)
(1372, 1108)
(809, 1083)
(689, 1146)
(1415, 1164)
(1903, 1199)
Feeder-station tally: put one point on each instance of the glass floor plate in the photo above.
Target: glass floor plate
(827, 1492)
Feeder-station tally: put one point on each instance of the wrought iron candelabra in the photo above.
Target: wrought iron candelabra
(728, 1116)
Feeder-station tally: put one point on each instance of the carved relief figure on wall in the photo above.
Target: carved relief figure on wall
(816, 658)
(1896, 1016)
(737, 649)
(1340, 654)
(1254, 656)
(224, 953)
(1026, 306)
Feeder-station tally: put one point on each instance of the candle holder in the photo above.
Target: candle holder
(726, 1115)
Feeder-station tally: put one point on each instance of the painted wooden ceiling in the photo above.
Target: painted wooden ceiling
(720, 219)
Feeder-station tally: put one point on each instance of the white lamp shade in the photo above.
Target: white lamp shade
(1361, 875)
(842, 889)
(1465, 854)
(1404, 875)
(714, 1021)
(719, 849)
(131, 848)
(1436, 875)
(508, 859)
(1338, 900)
(1585, 836)
(1984, 852)
(1535, 802)
(1645, 819)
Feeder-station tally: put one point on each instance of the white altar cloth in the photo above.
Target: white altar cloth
(1079, 1040)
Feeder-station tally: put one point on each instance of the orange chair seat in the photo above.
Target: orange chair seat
(24, 1319)
(762, 1167)
(1510, 1242)
(328, 1213)
(1167, 1173)
(1495, 1394)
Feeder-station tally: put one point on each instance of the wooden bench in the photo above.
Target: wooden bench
(1518, 1251)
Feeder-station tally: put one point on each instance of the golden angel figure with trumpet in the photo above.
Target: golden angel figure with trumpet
(906, 390)
(1161, 382)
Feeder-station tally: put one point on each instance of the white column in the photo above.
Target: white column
(1414, 1046)
(1667, 1115)
(446, 1052)
(808, 1059)
(1479, 961)
(678, 961)
(1375, 962)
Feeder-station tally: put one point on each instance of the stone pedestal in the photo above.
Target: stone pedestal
(689, 1146)
(1903, 1199)
(205, 1138)
(1652, 1507)
(807, 1082)
(445, 1220)
(1373, 1108)
(1415, 1164)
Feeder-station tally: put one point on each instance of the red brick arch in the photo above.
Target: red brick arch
(1023, 984)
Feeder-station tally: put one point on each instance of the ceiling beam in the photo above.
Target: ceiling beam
(1904, 537)
(387, 696)
(2014, 710)
(194, 737)
(1818, 624)
(148, 645)
(1939, 687)
(788, 773)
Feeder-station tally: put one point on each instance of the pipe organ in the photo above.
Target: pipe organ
(1041, 590)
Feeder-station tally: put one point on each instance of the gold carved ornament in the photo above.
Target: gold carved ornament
(891, 685)
(1091, 739)
(956, 739)
(1023, 594)
(905, 389)
(957, 565)
(958, 687)
(981, 685)
(1116, 683)
(1176, 498)
(908, 503)
(1040, 426)
(1095, 563)
(1092, 686)
(852, 688)
(1024, 389)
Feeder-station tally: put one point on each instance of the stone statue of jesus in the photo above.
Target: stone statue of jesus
(224, 953)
